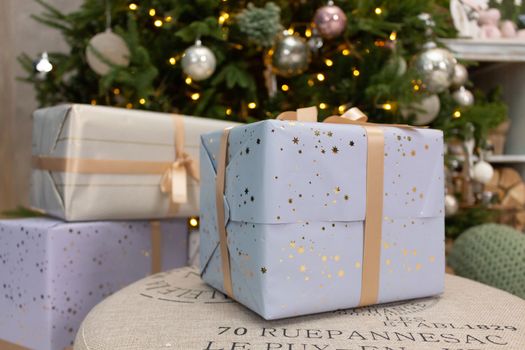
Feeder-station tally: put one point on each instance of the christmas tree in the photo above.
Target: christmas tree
(249, 61)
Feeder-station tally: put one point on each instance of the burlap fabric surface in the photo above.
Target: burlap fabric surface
(176, 310)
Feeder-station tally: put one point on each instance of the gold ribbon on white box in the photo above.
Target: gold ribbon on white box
(174, 174)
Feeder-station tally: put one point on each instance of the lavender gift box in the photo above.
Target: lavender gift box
(53, 273)
(295, 203)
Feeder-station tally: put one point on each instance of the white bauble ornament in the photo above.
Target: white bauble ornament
(451, 205)
(463, 97)
(42, 66)
(198, 62)
(111, 47)
(435, 67)
(460, 77)
(482, 172)
(425, 110)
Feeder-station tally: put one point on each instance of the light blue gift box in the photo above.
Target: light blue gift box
(295, 207)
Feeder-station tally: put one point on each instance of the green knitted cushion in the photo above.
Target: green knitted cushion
(492, 254)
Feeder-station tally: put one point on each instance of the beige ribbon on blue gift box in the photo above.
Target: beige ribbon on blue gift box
(374, 197)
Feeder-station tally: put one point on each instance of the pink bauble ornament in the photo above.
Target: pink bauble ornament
(330, 21)
(490, 17)
(508, 29)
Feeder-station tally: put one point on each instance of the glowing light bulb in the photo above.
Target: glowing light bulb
(320, 76)
(142, 101)
(252, 105)
(116, 91)
(341, 109)
(345, 52)
(158, 23)
(133, 6)
(172, 60)
(310, 82)
(308, 32)
(378, 11)
(168, 19)
(152, 12)
(322, 105)
(194, 222)
(129, 105)
(355, 72)
(290, 31)
(228, 111)
(195, 96)
(188, 80)
(393, 36)
(329, 62)
(285, 87)
(457, 114)
(387, 106)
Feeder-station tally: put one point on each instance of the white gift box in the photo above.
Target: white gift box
(100, 163)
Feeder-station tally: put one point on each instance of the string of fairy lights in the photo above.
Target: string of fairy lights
(194, 95)
(158, 21)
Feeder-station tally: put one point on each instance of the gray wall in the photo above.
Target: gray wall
(19, 33)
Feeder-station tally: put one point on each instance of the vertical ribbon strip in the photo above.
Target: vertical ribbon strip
(221, 224)
(374, 216)
(156, 247)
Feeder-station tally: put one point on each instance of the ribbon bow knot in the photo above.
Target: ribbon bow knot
(174, 180)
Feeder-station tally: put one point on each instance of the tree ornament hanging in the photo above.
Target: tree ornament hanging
(482, 172)
(315, 43)
(463, 97)
(330, 21)
(425, 110)
(451, 205)
(106, 49)
(435, 66)
(42, 66)
(198, 62)
(460, 77)
(290, 55)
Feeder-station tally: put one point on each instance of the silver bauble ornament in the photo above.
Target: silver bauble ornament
(435, 67)
(460, 77)
(482, 172)
(290, 56)
(330, 21)
(42, 66)
(425, 110)
(111, 47)
(315, 42)
(198, 62)
(451, 205)
(463, 97)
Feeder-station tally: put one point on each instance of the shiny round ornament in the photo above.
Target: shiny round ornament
(111, 47)
(42, 66)
(330, 21)
(435, 67)
(451, 205)
(290, 56)
(482, 172)
(460, 77)
(425, 110)
(315, 43)
(198, 62)
(463, 97)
